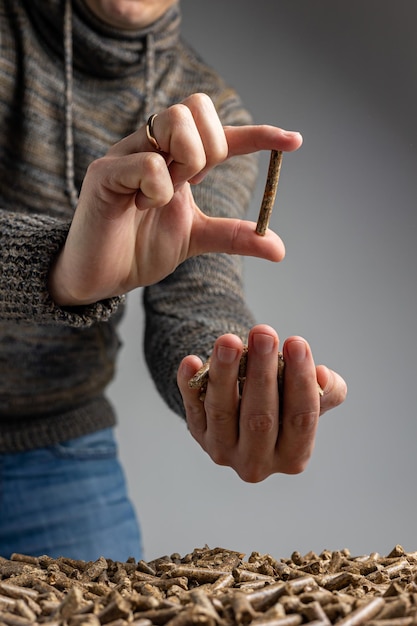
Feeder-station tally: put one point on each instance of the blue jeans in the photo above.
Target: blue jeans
(68, 500)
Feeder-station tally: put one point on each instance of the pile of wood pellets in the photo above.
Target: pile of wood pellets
(213, 587)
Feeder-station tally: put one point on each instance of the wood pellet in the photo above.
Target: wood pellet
(213, 587)
(270, 192)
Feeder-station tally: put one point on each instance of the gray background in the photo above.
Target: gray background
(344, 74)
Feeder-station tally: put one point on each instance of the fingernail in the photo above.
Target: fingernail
(297, 350)
(226, 354)
(263, 344)
(187, 371)
(291, 133)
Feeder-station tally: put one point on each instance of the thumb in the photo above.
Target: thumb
(233, 236)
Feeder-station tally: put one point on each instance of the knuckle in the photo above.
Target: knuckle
(98, 166)
(202, 109)
(304, 421)
(199, 162)
(221, 152)
(179, 114)
(184, 141)
(195, 421)
(153, 164)
(217, 414)
(260, 422)
(155, 182)
(201, 100)
(298, 454)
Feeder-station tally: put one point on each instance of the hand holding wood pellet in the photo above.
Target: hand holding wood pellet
(136, 218)
(250, 427)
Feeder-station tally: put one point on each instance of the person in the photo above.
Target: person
(99, 197)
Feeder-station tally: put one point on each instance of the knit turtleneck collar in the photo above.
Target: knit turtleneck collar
(98, 49)
(118, 52)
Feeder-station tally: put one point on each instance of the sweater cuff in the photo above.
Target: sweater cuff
(28, 247)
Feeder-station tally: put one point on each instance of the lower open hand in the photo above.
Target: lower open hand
(254, 434)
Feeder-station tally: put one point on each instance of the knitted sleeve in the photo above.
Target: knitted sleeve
(28, 244)
(203, 298)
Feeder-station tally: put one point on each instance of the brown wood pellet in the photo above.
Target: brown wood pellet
(270, 192)
(213, 587)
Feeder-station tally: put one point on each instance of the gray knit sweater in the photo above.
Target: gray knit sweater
(71, 87)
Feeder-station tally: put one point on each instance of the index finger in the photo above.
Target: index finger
(247, 139)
